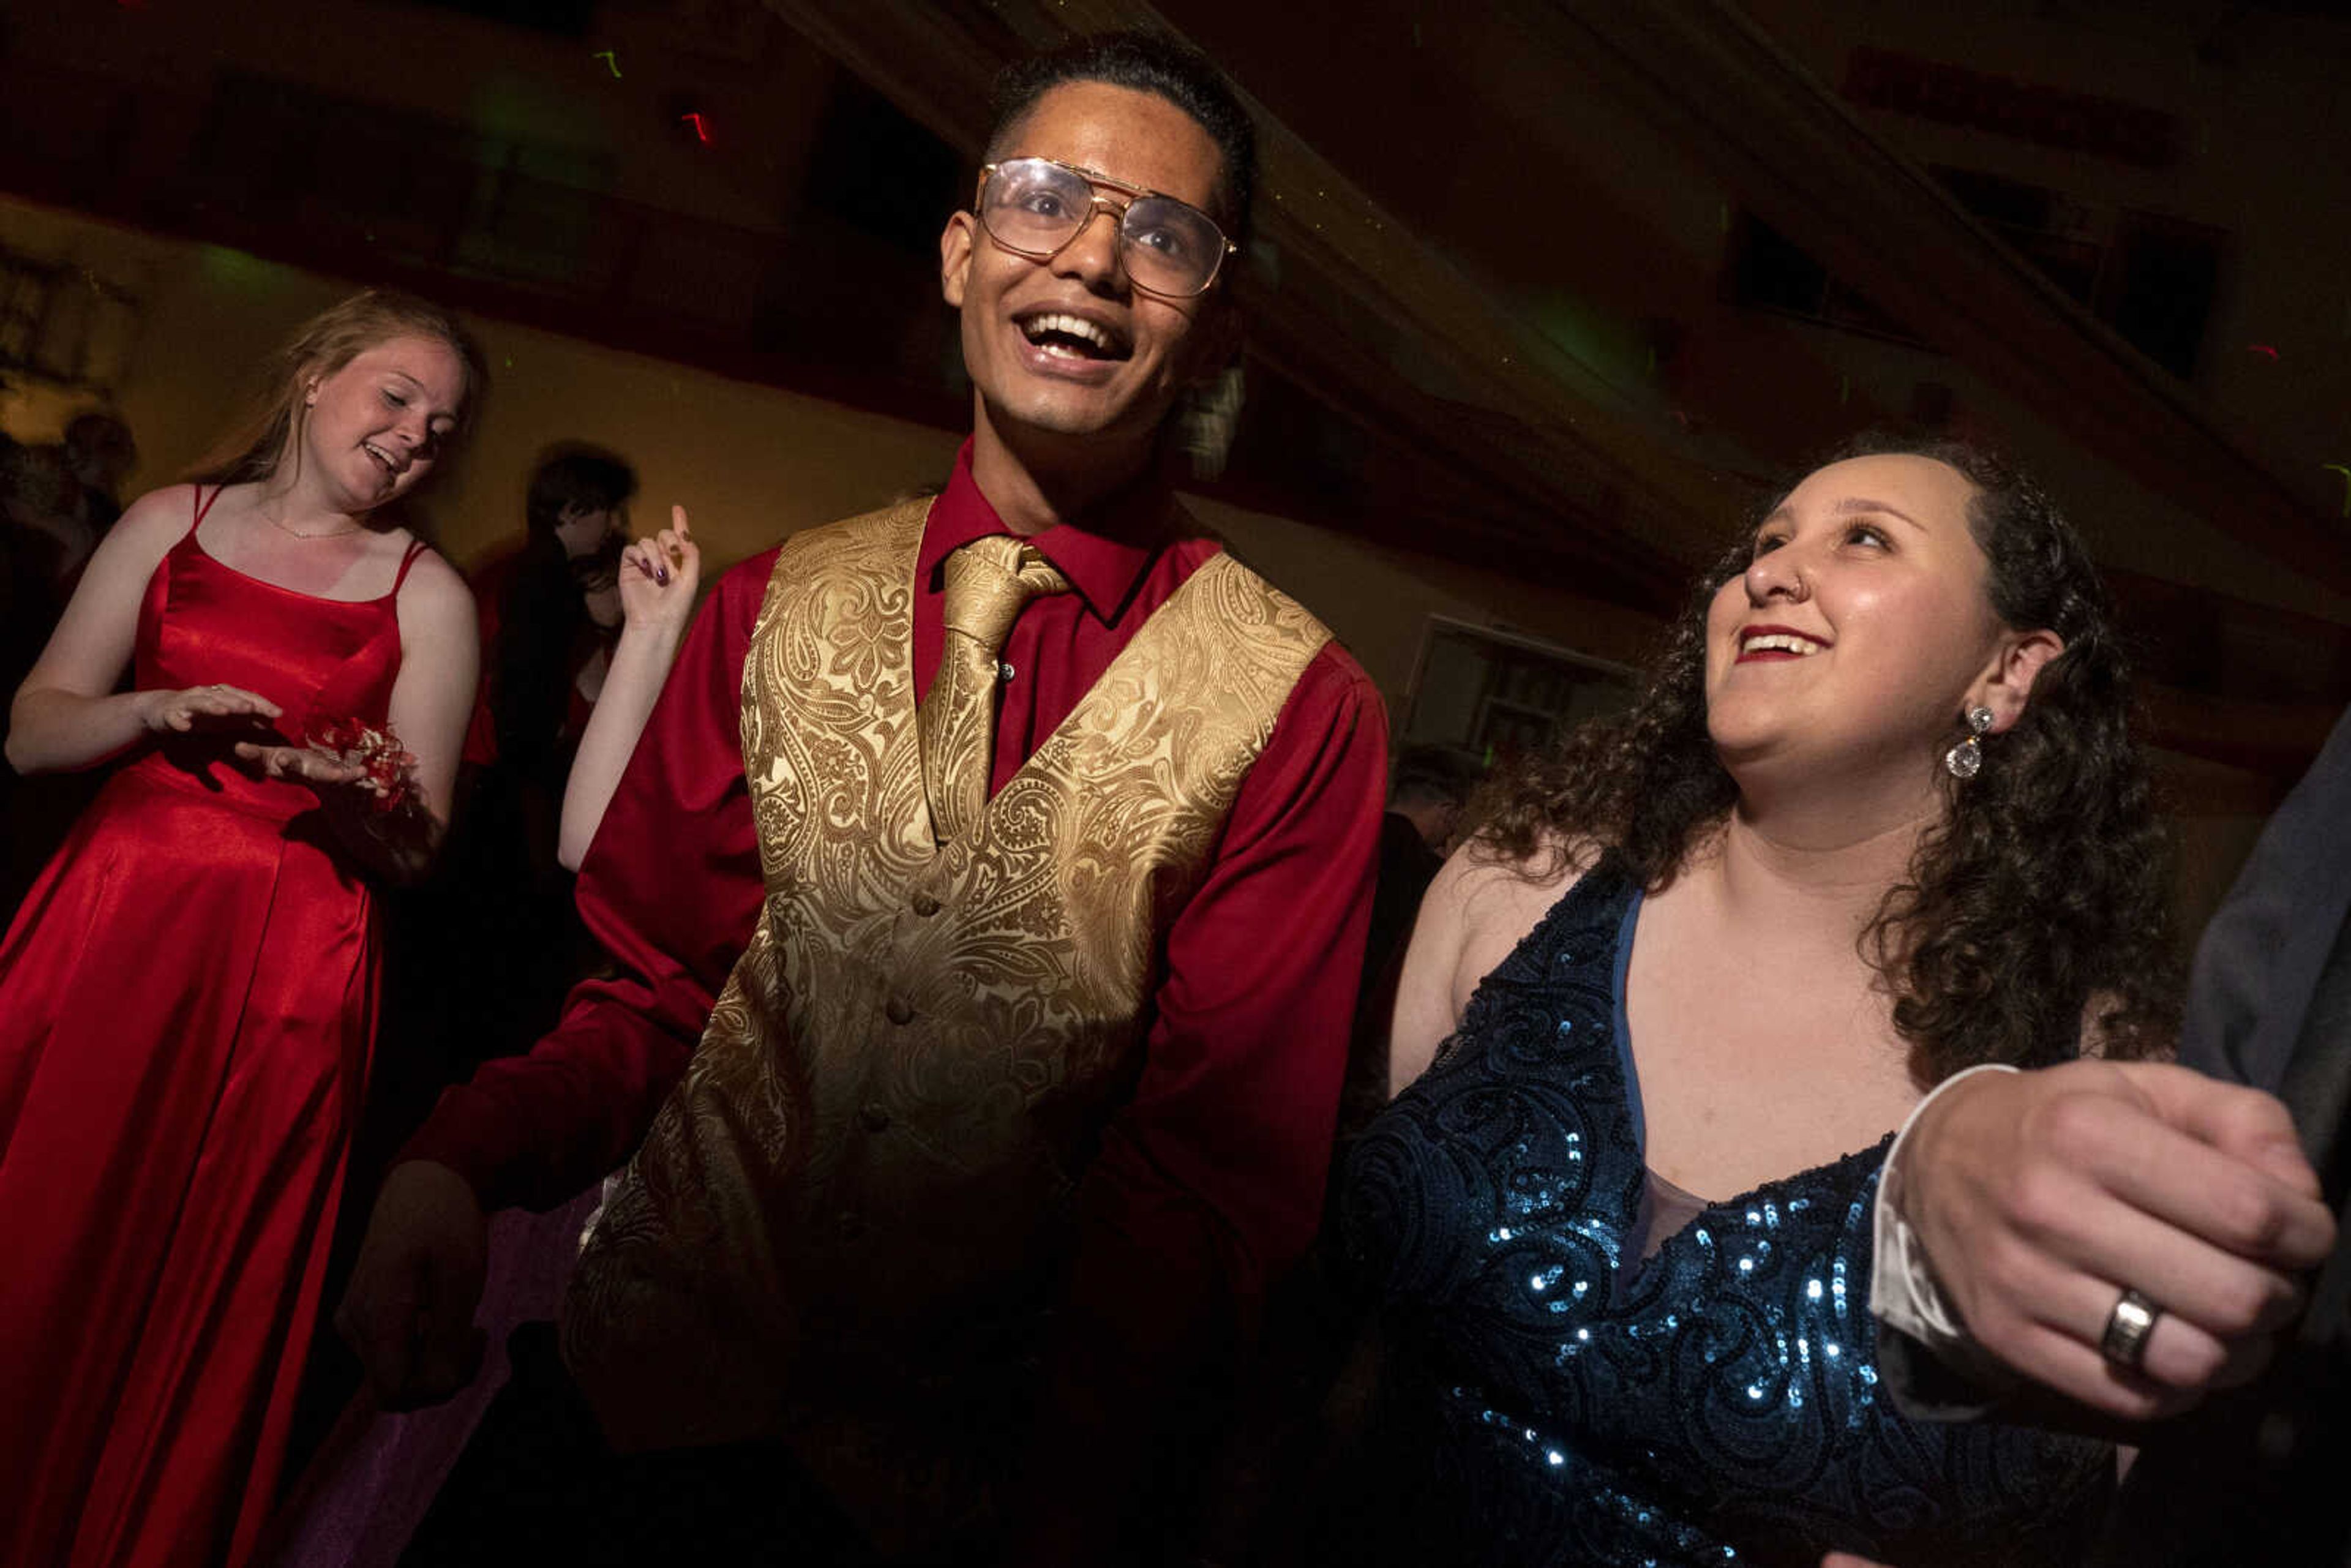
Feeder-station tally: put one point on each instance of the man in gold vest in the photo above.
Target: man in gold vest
(988, 892)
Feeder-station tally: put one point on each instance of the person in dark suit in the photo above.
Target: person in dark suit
(2184, 1202)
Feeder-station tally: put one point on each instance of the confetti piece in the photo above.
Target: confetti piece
(699, 129)
(606, 55)
(2262, 349)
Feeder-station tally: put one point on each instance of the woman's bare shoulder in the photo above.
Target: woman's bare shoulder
(436, 609)
(1492, 902)
(1479, 907)
(1483, 885)
(140, 538)
(432, 583)
(162, 513)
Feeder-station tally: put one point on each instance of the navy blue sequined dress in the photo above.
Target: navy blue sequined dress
(1562, 1398)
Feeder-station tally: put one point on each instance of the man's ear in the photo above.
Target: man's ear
(956, 244)
(2007, 687)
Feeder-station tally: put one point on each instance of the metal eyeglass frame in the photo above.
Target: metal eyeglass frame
(1132, 193)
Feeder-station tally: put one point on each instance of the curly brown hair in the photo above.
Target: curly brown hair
(2042, 896)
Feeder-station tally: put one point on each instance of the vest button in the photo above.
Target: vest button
(925, 905)
(851, 1225)
(874, 1117)
(898, 1009)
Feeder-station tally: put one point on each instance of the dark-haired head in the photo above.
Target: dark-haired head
(574, 480)
(2038, 899)
(1142, 62)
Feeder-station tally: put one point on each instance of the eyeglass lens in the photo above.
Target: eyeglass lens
(1036, 207)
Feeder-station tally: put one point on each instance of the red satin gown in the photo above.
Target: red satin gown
(188, 1007)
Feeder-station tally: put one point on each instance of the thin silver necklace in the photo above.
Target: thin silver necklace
(297, 533)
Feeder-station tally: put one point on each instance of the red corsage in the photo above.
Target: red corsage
(391, 770)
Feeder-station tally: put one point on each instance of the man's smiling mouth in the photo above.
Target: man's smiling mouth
(1059, 332)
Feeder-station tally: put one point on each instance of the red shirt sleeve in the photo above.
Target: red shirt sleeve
(1211, 1181)
(1241, 1087)
(672, 888)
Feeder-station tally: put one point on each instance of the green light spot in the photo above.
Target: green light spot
(235, 268)
(1612, 349)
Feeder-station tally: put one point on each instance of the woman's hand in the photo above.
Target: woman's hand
(658, 579)
(214, 707)
(375, 813)
(322, 770)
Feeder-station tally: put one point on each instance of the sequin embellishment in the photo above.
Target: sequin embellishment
(1714, 1403)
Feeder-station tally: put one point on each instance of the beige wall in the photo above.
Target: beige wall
(1378, 600)
(750, 462)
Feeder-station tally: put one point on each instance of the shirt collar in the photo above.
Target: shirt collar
(1104, 566)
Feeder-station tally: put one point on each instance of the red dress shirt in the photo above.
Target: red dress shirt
(1211, 1177)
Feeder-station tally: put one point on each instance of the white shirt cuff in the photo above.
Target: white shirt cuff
(1902, 1294)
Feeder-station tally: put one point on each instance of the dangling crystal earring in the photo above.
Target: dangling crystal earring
(1966, 758)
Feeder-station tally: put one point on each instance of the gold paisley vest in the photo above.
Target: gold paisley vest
(857, 1195)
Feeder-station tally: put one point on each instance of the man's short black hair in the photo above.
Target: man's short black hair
(587, 478)
(1144, 62)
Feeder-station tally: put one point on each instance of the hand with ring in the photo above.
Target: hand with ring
(2129, 1234)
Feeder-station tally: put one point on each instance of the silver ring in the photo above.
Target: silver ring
(2128, 1328)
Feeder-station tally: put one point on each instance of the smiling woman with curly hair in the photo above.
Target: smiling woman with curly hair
(1878, 816)
(2045, 884)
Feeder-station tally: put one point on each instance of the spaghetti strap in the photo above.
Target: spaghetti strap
(203, 504)
(415, 547)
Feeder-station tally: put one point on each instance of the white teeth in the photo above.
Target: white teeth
(381, 456)
(1781, 642)
(1070, 327)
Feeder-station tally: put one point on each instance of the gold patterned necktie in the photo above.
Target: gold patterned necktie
(987, 583)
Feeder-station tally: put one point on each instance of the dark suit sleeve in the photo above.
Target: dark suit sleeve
(2261, 954)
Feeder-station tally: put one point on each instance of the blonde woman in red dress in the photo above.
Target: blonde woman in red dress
(188, 995)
